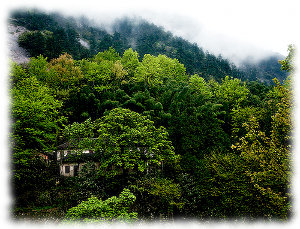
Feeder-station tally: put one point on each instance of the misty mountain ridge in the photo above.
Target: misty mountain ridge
(83, 38)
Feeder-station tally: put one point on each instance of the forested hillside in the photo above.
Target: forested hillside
(52, 34)
(163, 142)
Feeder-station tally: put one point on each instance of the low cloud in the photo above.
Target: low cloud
(219, 43)
(232, 48)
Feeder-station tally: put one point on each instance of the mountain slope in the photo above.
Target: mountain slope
(53, 34)
(265, 70)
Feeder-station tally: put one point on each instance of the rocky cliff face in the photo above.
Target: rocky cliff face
(16, 53)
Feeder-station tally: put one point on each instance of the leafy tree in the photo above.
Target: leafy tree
(83, 104)
(148, 71)
(157, 198)
(268, 167)
(145, 104)
(199, 85)
(36, 122)
(130, 142)
(80, 135)
(119, 73)
(38, 67)
(111, 209)
(231, 93)
(104, 71)
(79, 131)
(65, 74)
(35, 114)
(32, 177)
(98, 74)
(109, 55)
(171, 68)
(130, 61)
(288, 63)
(241, 115)
(154, 71)
(254, 179)
(282, 120)
(33, 41)
(195, 126)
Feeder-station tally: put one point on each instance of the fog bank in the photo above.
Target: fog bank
(215, 42)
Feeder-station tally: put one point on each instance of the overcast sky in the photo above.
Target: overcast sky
(235, 29)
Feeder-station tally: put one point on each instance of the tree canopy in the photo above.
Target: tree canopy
(173, 144)
(130, 142)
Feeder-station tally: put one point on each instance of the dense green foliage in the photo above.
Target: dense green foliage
(129, 142)
(95, 210)
(173, 144)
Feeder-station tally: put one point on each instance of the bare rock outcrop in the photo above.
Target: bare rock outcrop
(16, 53)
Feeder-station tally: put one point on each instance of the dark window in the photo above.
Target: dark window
(67, 169)
(76, 168)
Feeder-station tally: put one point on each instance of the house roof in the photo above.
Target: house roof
(79, 157)
(74, 143)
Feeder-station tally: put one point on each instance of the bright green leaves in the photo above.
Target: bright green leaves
(97, 74)
(104, 71)
(80, 135)
(153, 71)
(170, 68)
(198, 84)
(108, 55)
(36, 121)
(231, 92)
(148, 71)
(17, 74)
(288, 63)
(35, 113)
(107, 69)
(111, 209)
(80, 130)
(39, 67)
(130, 61)
(279, 106)
(241, 115)
(282, 120)
(119, 73)
(253, 179)
(129, 141)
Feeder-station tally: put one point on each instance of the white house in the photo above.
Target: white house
(73, 169)
(71, 160)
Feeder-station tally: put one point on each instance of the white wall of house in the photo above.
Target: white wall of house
(68, 169)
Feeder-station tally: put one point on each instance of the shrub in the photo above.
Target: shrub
(114, 208)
